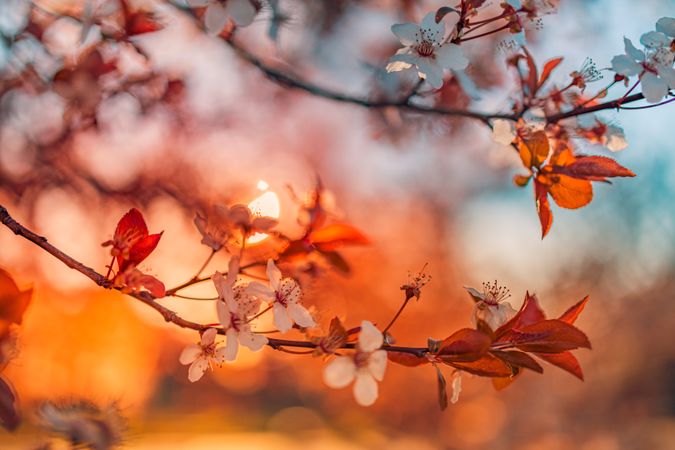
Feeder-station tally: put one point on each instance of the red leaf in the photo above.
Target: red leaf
(549, 336)
(464, 345)
(336, 235)
(9, 408)
(406, 359)
(530, 312)
(548, 69)
(442, 12)
(565, 360)
(532, 76)
(570, 316)
(442, 389)
(594, 168)
(543, 208)
(142, 249)
(487, 366)
(132, 223)
(13, 302)
(518, 359)
(141, 23)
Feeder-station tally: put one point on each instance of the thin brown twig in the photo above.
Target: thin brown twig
(147, 298)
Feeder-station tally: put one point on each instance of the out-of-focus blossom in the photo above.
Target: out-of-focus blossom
(530, 17)
(219, 223)
(201, 356)
(284, 295)
(611, 136)
(456, 385)
(425, 47)
(84, 424)
(366, 366)
(503, 131)
(234, 307)
(654, 64)
(242, 12)
(490, 306)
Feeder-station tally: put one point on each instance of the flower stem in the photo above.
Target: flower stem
(259, 314)
(398, 313)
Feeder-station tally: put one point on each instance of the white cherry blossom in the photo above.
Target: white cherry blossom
(425, 47)
(242, 12)
(234, 308)
(284, 295)
(503, 131)
(366, 366)
(654, 64)
(201, 356)
(491, 306)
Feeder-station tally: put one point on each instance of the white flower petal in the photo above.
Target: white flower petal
(215, 18)
(197, 369)
(503, 131)
(273, 274)
(433, 31)
(616, 140)
(208, 337)
(624, 65)
(433, 74)
(668, 74)
(403, 59)
(300, 315)
(339, 372)
(220, 355)
(232, 346)
(451, 56)
(653, 87)
(456, 387)
(406, 32)
(654, 39)
(633, 52)
(189, 354)
(377, 364)
(365, 388)
(281, 319)
(224, 316)
(232, 270)
(260, 290)
(252, 341)
(242, 11)
(666, 25)
(370, 338)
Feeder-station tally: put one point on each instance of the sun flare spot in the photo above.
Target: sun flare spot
(267, 204)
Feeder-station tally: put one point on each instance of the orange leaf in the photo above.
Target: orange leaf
(549, 336)
(521, 180)
(543, 208)
(568, 192)
(534, 149)
(570, 316)
(565, 360)
(548, 69)
(406, 359)
(501, 383)
(336, 260)
(532, 76)
(464, 345)
(333, 236)
(13, 302)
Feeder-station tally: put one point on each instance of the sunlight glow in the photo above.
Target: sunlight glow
(266, 204)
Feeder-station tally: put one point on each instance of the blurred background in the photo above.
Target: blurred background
(185, 122)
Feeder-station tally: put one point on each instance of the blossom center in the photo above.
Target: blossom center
(235, 321)
(425, 48)
(361, 359)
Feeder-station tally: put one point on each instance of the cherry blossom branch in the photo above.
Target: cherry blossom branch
(147, 298)
(613, 104)
(291, 82)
